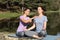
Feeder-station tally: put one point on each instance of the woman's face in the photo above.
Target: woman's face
(40, 10)
(27, 11)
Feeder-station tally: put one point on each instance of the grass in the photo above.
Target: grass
(6, 15)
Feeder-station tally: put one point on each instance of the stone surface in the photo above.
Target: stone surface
(13, 38)
(4, 36)
(58, 38)
(16, 38)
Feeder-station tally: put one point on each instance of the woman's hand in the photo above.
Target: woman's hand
(44, 29)
(25, 29)
(30, 20)
(33, 17)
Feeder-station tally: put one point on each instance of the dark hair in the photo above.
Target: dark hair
(43, 10)
(25, 9)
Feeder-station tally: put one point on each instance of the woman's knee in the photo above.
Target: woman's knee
(42, 33)
(30, 33)
(20, 34)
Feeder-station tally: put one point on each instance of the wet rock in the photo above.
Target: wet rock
(58, 38)
(2, 37)
(16, 38)
(12, 38)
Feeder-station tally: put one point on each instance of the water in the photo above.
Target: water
(58, 34)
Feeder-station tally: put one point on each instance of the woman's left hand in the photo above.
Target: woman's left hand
(33, 17)
(43, 29)
(25, 30)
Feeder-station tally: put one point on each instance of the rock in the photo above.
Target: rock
(12, 38)
(2, 37)
(58, 38)
(16, 38)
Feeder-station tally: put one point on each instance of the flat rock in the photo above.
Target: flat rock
(2, 37)
(14, 37)
(58, 38)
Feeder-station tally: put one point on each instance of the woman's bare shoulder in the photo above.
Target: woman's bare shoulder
(35, 16)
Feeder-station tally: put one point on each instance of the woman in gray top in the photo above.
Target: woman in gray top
(40, 23)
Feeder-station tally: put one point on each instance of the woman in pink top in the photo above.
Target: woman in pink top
(24, 20)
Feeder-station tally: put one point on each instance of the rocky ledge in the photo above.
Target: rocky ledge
(4, 36)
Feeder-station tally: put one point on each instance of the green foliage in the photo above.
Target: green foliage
(16, 6)
(53, 25)
(32, 4)
(8, 15)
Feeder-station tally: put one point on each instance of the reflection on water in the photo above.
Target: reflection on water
(58, 34)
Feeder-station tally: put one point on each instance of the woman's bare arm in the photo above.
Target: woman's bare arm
(25, 21)
(32, 27)
(44, 26)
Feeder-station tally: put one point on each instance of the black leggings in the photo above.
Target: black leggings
(42, 33)
(31, 33)
(20, 34)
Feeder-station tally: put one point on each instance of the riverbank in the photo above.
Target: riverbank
(4, 36)
(8, 15)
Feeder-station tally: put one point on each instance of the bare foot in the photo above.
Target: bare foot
(35, 36)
